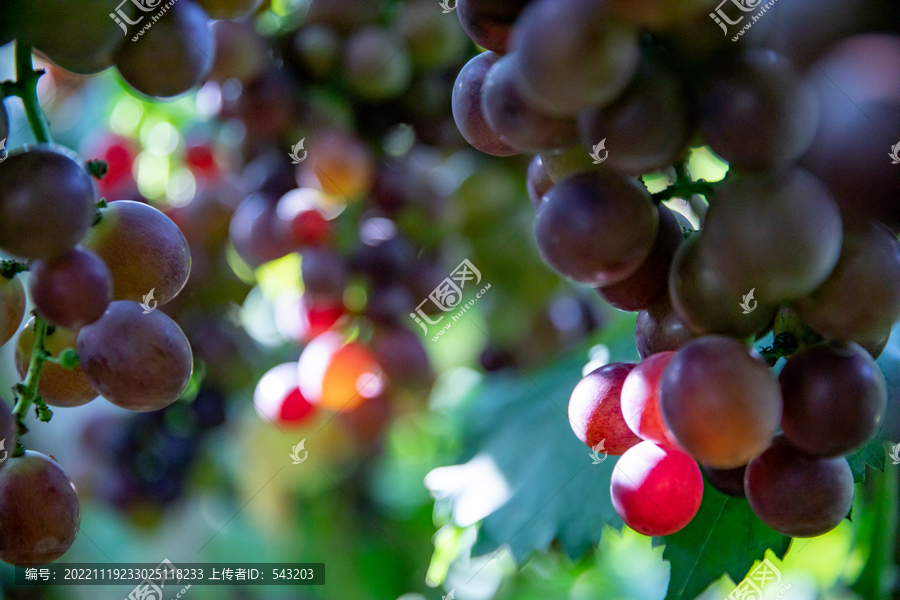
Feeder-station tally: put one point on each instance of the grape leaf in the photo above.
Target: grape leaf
(873, 453)
(724, 537)
(520, 422)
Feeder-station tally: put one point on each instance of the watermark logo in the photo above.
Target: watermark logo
(751, 587)
(746, 6)
(895, 154)
(4, 154)
(152, 587)
(3, 447)
(596, 153)
(447, 296)
(895, 454)
(746, 303)
(294, 153)
(597, 450)
(146, 303)
(445, 4)
(450, 596)
(295, 452)
(121, 18)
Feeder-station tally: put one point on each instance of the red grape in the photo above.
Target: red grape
(72, 289)
(338, 375)
(277, 397)
(660, 329)
(656, 490)
(595, 412)
(640, 399)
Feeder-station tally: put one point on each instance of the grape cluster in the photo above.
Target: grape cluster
(799, 239)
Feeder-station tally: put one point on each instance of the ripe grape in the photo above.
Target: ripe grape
(240, 52)
(721, 404)
(46, 202)
(860, 300)
(646, 127)
(553, 35)
(172, 56)
(514, 120)
(79, 36)
(597, 228)
(72, 289)
(340, 163)
(796, 494)
(277, 397)
(8, 429)
(389, 303)
(467, 107)
(660, 329)
(256, 233)
(783, 262)
(656, 490)
(138, 361)
(229, 9)
(595, 410)
(708, 302)
(402, 355)
(337, 375)
(728, 481)
(376, 64)
(324, 274)
(650, 281)
(834, 399)
(58, 386)
(759, 115)
(143, 249)
(640, 399)
(12, 307)
(39, 510)
(538, 181)
(484, 27)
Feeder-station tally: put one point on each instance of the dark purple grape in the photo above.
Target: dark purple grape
(759, 115)
(647, 127)
(597, 228)
(46, 202)
(728, 481)
(708, 303)
(138, 361)
(12, 307)
(552, 36)
(834, 399)
(467, 108)
(401, 355)
(324, 274)
(538, 181)
(796, 494)
(29, 536)
(860, 300)
(484, 27)
(516, 122)
(389, 303)
(780, 262)
(144, 250)
(172, 56)
(650, 282)
(72, 289)
(255, 233)
(660, 329)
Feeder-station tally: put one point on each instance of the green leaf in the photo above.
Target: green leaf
(873, 454)
(555, 492)
(724, 537)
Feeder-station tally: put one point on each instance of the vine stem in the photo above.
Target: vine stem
(25, 87)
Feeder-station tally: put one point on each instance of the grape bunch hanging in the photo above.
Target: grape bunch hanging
(799, 239)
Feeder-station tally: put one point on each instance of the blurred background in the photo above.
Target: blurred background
(455, 469)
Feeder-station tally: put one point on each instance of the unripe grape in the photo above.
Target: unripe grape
(796, 494)
(595, 410)
(143, 249)
(46, 202)
(39, 510)
(72, 289)
(58, 386)
(834, 399)
(656, 490)
(721, 404)
(138, 361)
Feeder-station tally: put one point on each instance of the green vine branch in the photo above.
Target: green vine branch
(684, 186)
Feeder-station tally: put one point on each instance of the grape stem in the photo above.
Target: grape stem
(26, 392)
(684, 186)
